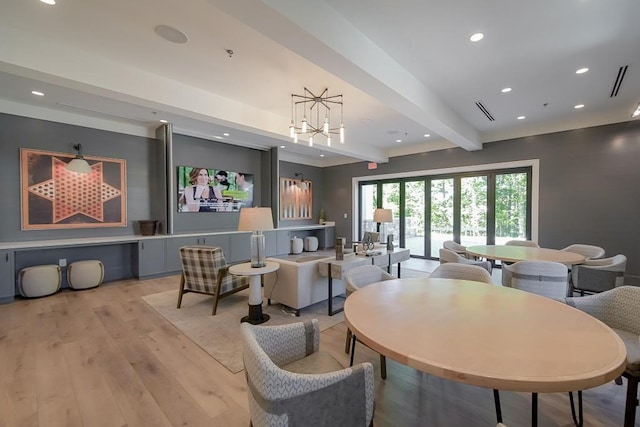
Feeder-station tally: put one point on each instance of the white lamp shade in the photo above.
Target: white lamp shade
(382, 215)
(255, 219)
(79, 165)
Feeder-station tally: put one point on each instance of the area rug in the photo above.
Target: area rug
(219, 335)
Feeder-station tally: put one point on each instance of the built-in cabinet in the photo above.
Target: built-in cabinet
(7, 276)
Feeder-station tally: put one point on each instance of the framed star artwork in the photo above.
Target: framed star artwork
(54, 197)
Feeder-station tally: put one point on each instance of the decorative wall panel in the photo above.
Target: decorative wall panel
(295, 202)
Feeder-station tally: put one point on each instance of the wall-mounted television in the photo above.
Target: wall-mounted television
(203, 189)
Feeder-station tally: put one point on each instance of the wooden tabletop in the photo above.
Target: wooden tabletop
(485, 335)
(525, 253)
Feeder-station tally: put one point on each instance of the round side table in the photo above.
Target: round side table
(255, 316)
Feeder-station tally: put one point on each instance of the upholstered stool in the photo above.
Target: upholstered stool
(39, 280)
(296, 245)
(85, 274)
(310, 243)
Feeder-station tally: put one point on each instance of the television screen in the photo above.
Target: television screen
(213, 190)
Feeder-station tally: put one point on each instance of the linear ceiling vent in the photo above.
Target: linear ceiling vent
(616, 85)
(485, 111)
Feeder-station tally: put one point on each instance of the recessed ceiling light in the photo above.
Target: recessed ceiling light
(217, 137)
(582, 70)
(49, 2)
(225, 134)
(506, 90)
(398, 140)
(282, 146)
(171, 34)
(426, 135)
(35, 92)
(476, 37)
(321, 155)
(521, 117)
(163, 121)
(578, 106)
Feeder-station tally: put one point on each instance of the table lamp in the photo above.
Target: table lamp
(256, 220)
(381, 217)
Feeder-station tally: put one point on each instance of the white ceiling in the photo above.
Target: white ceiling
(406, 68)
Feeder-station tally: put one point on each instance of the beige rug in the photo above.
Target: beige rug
(219, 335)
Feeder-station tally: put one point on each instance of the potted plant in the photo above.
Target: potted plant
(322, 217)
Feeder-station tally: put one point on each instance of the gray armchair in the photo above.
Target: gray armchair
(549, 279)
(598, 275)
(588, 251)
(291, 383)
(529, 243)
(619, 308)
(455, 247)
(452, 270)
(357, 278)
(447, 255)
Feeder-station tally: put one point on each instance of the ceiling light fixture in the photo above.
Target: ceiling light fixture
(225, 134)
(35, 92)
(521, 117)
(582, 70)
(577, 107)
(637, 112)
(476, 37)
(171, 34)
(426, 135)
(49, 2)
(79, 164)
(398, 140)
(316, 116)
(506, 90)
(163, 121)
(303, 185)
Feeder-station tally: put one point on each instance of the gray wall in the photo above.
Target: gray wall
(589, 184)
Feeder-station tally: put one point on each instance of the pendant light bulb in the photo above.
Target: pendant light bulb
(341, 133)
(304, 125)
(325, 126)
(292, 129)
(295, 137)
(329, 141)
(311, 141)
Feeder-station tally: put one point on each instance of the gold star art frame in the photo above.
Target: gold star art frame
(56, 198)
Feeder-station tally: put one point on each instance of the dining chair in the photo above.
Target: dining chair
(455, 247)
(355, 279)
(528, 243)
(598, 275)
(619, 309)
(205, 271)
(549, 279)
(588, 251)
(447, 256)
(453, 270)
(291, 383)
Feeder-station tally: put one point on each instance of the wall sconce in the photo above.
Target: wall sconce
(302, 184)
(79, 164)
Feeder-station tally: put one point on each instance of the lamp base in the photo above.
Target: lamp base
(257, 250)
(255, 316)
(258, 264)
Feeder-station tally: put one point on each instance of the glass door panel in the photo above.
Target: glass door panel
(511, 207)
(414, 202)
(391, 200)
(473, 210)
(441, 214)
(368, 203)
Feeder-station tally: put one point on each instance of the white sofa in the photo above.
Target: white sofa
(297, 284)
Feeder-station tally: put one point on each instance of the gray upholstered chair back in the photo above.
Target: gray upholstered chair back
(282, 396)
(549, 279)
(455, 247)
(528, 243)
(587, 251)
(447, 255)
(365, 275)
(453, 270)
(598, 275)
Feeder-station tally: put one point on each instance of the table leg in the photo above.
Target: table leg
(331, 312)
(255, 316)
(399, 269)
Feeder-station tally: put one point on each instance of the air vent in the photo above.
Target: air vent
(485, 111)
(616, 85)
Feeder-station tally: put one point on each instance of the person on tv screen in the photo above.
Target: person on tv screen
(243, 183)
(200, 196)
(222, 180)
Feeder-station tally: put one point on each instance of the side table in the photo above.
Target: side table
(255, 316)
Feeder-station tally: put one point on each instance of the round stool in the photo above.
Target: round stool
(310, 243)
(296, 245)
(39, 280)
(85, 274)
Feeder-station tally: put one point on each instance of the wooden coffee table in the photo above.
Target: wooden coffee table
(485, 335)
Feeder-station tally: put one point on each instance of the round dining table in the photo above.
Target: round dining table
(524, 253)
(485, 335)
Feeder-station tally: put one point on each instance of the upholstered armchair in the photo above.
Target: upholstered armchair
(453, 270)
(205, 271)
(447, 255)
(455, 247)
(528, 243)
(587, 251)
(357, 278)
(619, 308)
(292, 383)
(549, 279)
(598, 275)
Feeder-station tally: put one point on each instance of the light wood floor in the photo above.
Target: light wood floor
(102, 357)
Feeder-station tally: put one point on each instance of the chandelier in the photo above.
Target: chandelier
(315, 114)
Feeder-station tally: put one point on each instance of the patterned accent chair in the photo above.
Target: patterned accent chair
(549, 279)
(587, 251)
(357, 278)
(598, 275)
(454, 270)
(447, 255)
(619, 308)
(205, 271)
(291, 383)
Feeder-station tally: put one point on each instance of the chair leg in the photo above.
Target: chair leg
(181, 292)
(216, 295)
(347, 343)
(383, 367)
(353, 349)
(632, 402)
